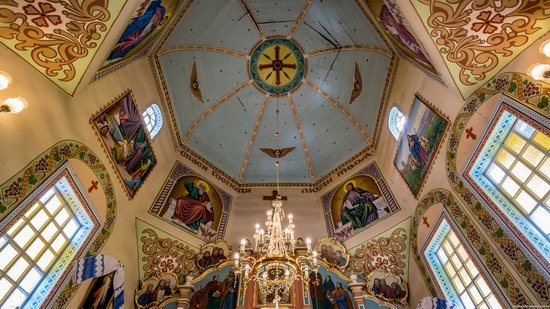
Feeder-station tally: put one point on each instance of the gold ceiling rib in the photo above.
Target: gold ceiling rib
(252, 19)
(253, 138)
(212, 108)
(302, 138)
(338, 106)
(360, 47)
(299, 19)
(199, 47)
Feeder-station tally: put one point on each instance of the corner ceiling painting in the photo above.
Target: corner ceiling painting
(478, 38)
(391, 19)
(58, 38)
(236, 72)
(143, 27)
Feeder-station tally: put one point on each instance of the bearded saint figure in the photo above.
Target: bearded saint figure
(195, 208)
(358, 207)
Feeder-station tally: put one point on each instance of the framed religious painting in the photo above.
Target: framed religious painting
(100, 293)
(387, 286)
(419, 143)
(333, 252)
(213, 253)
(193, 204)
(122, 133)
(149, 19)
(156, 289)
(357, 203)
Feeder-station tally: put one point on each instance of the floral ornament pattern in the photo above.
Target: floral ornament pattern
(58, 38)
(44, 12)
(477, 38)
(534, 95)
(18, 187)
(166, 254)
(386, 253)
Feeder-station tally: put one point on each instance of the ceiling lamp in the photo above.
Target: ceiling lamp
(276, 267)
(539, 71)
(545, 48)
(13, 105)
(5, 80)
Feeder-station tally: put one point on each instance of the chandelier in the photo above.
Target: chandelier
(275, 267)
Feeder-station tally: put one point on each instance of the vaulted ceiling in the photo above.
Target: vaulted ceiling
(224, 104)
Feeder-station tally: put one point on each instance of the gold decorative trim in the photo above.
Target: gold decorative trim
(300, 17)
(253, 137)
(200, 47)
(342, 110)
(370, 48)
(212, 108)
(248, 12)
(302, 138)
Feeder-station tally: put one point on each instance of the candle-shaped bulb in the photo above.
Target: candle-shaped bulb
(237, 256)
(262, 232)
(257, 227)
(314, 254)
(290, 217)
(308, 243)
(243, 243)
(237, 259)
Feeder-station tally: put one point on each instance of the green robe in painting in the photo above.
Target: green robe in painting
(363, 211)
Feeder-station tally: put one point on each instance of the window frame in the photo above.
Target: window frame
(69, 188)
(441, 280)
(510, 217)
(158, 119)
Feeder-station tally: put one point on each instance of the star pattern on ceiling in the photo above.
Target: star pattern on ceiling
(301, 58)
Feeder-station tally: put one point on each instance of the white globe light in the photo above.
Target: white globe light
(545, 48)
(5, 80)
(16, 104)
(539, 71)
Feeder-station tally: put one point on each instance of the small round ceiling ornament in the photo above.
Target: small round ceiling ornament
(277, 65)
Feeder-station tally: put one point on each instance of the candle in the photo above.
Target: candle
(237, 259)
(308, 243)
(290, 218)
(243, 243)
(269, 215)
(257, 228)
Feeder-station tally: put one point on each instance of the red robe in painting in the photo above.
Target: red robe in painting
(192, 210)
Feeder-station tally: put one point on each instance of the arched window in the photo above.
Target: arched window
(152, 117)
(454, 268)
(396, 122)
(41, 239)
(509, 170)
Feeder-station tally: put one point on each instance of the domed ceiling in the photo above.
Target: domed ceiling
(232, 68)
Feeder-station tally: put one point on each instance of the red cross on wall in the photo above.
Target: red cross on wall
(470, 133)
(93, 186)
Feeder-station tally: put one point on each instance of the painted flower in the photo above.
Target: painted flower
(487, 23)
(43, 14)
(167, 265)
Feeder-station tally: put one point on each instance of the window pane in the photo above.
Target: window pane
(521, 171)
(442, 256)
(454, 240)
(458, 284)
(16, 226)
(71, 228)
(492, 300)
(524, 129)
(541, 217)
(47, 196)
(18, 268)
(15, 299)
(5, 287)
(542, 139)
(448, 248)
(545, 168)
(505, 158)
(510, 186)
(456, 261)
(35, 248)
(495, 173)
(475, 294)
(45, 260)
(532, 155)
(3, 240)
(30, 280)
(472, 268)
(450, 269)
(462, 253)
(483, 287)
(49, 231)
(8, 254)
(525, 201)
(466, 300)
(538, 186)
(32, 210)
(39, 220)
(62, 217)
(465, 276)
(58, 243)
(53, 205)
(24, 236)
(515, 142)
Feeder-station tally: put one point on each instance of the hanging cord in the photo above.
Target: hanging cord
(277, 151)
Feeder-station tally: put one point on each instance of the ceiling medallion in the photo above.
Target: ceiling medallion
(277, 65)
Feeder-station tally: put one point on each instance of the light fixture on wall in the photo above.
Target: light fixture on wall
(13, 105)
(5, 80)
(541, 71)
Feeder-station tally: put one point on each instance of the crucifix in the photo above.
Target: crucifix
(277, 65)
(425, 221)
(93, 186)
(274, 196)
(470, 133)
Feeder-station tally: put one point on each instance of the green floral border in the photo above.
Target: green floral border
(534, 95)
(22, 184)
